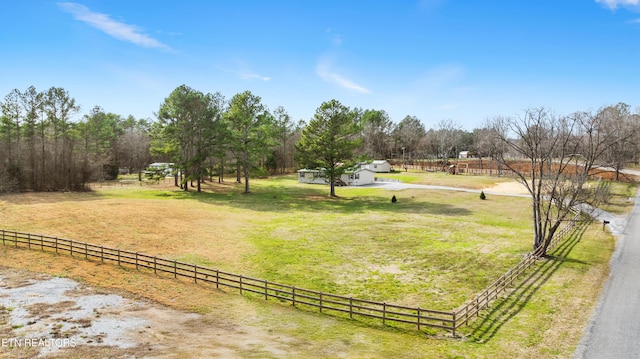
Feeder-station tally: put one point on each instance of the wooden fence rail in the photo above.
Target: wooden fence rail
(324, 302)
(483, 299)
(299, 297)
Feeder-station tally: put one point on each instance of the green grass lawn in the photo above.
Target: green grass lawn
(432, 249)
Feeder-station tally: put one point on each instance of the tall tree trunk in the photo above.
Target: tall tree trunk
(245, 166)
(332, 183)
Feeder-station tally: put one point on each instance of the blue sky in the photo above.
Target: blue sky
(464, 60)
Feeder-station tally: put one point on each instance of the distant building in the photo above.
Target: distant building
(376, 166)
(312, 176)
(358, 177)
(350, 177)
(465, 154)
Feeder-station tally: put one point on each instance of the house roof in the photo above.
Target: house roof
(309, 170)
(376, 162)
(355, 170)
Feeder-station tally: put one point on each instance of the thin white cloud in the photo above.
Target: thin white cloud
(336, 39)
(325, 72)
(614, 4)
(116, 29)
(242, 70)
(249, 75)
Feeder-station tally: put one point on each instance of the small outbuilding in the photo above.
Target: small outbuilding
(376, 166)
(465, 154)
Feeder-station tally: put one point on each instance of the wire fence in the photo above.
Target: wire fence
(417, 317)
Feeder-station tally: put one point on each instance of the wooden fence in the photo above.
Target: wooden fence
(483, 299)
(298, 297)
(324, 302)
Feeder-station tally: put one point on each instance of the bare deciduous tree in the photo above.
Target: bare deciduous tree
(620, 128)
(552, 157)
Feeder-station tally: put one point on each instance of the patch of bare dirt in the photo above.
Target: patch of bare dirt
(54, 317)
(508, 188)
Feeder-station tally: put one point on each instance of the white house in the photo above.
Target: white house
(312, 176)
(376, 166)
(358, 177)
(351, 177)
(465, 154)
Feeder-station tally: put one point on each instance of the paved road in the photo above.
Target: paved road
(614, 331)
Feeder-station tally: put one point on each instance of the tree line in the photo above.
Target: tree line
(45, 147)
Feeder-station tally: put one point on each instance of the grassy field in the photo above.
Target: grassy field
(433, 249)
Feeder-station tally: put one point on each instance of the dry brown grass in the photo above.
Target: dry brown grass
(171, 229)
(544, 325)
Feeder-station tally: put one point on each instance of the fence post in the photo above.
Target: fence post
(217, 278)
(71, 248)
(293, 296)
(154, 265)
(41, 243)
(29, 240)
(384, 313)
(3, 237)
(419, 318)
(175, 269)
(86, 251)
(102, 253)
(455, 324)
(351, 307)
(466, 313)
(320, 302)
(195, 274)
(265, 290)
(118, 256)
(136, 260)
(240, 285)
(56, 245)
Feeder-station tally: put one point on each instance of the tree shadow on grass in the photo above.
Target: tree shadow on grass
(356, 204)
(490, 321)
(317, 200)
